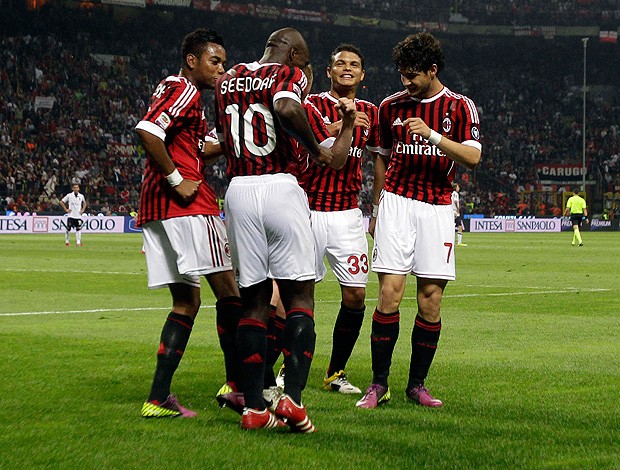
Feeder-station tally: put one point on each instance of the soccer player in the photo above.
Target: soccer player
(578, 212)
(268, 219)
(425, 130)
(456, 210)
(337, 222)
(74, 204)
(184, 237)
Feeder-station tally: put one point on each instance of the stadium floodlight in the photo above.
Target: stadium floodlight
(583, 146)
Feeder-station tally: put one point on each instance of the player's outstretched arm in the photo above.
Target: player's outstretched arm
(293, 119)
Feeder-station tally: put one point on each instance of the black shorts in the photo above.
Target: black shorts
(458, 222)
(575, 219)
(74, 223)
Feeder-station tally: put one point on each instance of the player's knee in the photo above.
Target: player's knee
(353, 297)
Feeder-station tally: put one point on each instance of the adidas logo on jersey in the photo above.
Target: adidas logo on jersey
(397, 122)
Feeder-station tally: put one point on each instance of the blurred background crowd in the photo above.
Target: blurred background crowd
(75, 81)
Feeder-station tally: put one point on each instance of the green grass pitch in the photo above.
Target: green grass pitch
(528, 366)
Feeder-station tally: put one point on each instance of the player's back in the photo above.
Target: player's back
(254, 141)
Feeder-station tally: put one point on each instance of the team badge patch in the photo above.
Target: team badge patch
(163, 121)
(475, 133)
(446, 125)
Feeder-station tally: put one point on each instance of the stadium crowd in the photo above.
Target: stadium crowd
(70, 98)
(502, 12)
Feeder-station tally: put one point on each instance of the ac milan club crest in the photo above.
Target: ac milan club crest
(446, 125)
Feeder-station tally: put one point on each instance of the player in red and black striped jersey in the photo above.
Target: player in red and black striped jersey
(425, 131)
(258, 109)
(184, 236)
(337, 221)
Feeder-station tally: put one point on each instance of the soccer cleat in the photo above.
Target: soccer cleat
(461, 244)
(280, 377)
(338, 382)
(294, 415)
(80, 244)
(272, 396)
(254, 419)
(168, 409)
(375, 395)
(67, 244)
(421, 396)
(233, 400)
(224, 389)
(581, 244)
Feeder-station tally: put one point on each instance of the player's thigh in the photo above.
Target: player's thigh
(161, 259)
(288, 231)
(347, 247)
(200, 242)
(395, 235)
(320, 227)
(434, 246)
(246, 234)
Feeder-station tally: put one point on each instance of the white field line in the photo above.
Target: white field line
(67, 271)
(453, 296)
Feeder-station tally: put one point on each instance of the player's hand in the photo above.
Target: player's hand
(362, 120)
(371, 226)
(188, 189)
(347, 111)
(325, 157)
(417, 126)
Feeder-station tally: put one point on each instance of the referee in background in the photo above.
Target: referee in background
(576, 208)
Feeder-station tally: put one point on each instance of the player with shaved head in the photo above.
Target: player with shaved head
(258, 110)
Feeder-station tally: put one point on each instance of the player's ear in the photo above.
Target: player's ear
(190, 61)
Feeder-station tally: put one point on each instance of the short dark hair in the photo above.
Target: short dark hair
(346, 48)
(196, 42)
(418, 52)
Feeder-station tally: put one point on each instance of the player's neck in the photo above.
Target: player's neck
(435, 88)
(345, 93)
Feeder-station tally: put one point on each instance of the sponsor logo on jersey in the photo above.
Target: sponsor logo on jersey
(163, 121)
(397, 122)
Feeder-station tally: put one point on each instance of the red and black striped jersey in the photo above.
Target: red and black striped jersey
(176, 116)
(337, 190)
(303, 160)
(254, 142)
(417, 169)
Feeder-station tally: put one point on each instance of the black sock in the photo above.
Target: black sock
(385, 329)
(424, 339)
(252, 346)
(346, 331)
(274, 346)
(174, 338)
(298, 342)
(228, 312)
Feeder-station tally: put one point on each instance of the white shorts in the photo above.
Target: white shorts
(341, 237)
(182, 249)
(268, 223)
(414, 237)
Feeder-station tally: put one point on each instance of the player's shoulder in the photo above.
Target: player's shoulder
(181, 85)
(457, 96)
(365, 104)
(394, 98)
